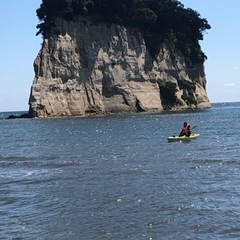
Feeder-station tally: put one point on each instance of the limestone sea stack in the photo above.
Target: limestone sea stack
(107, 68)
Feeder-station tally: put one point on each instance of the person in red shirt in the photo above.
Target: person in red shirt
(186, 130)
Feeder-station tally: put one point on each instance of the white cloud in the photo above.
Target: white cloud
(228, 84)
(236, 68)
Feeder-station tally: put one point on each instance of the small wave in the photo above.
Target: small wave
(231, 232)
(214, 161)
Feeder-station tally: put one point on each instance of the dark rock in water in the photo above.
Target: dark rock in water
(24, 115)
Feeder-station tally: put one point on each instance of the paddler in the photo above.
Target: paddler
(186, 130)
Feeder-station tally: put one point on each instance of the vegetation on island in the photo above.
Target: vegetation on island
(160, 21)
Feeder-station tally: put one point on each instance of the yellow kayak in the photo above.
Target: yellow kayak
(183, 138)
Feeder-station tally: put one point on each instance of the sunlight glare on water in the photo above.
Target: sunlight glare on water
(117, 177)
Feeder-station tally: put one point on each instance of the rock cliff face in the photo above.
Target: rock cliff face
(108, 69)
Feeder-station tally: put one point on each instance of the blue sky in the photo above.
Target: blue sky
(221, 44)
(19, 46)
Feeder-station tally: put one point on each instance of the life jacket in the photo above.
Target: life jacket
(186, 129)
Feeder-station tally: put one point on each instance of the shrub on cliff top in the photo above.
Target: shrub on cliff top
(165, 20)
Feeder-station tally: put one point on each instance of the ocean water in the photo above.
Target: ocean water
(116, 177)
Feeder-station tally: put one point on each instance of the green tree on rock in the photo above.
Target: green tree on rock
(160, 21)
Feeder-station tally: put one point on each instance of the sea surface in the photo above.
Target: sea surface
(117, 177)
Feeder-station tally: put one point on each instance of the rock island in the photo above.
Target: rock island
(118, 56)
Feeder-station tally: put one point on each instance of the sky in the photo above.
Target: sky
(19, 46)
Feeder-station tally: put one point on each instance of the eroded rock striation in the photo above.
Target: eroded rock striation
(100, 68)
